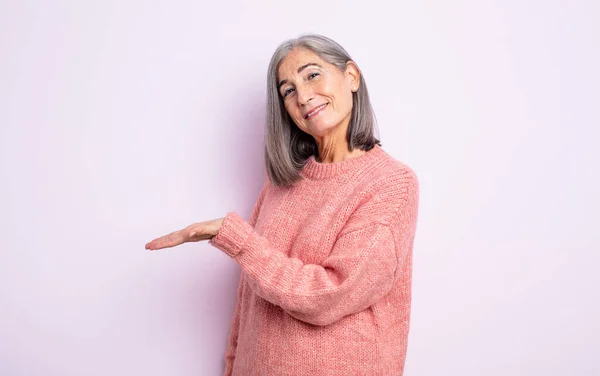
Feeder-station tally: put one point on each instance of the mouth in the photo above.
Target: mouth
(315, 111)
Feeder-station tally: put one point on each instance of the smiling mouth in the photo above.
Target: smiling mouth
(315, 111)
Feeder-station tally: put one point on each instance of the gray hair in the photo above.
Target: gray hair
(286, 146)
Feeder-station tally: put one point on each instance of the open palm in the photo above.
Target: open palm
(193, 233)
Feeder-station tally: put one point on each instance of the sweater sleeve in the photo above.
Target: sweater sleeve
(235, 321)
(359, 271)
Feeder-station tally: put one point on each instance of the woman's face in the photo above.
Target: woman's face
(316, 94)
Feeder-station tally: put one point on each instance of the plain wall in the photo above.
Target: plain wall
(121, 121)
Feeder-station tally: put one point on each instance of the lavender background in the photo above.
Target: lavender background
(121, 121)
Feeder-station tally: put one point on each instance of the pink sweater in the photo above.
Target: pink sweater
(326, 265)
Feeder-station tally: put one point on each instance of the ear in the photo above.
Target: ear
(352, 74)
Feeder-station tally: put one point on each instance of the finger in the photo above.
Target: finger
(167, 241)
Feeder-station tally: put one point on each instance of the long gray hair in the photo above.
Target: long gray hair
(286, 146)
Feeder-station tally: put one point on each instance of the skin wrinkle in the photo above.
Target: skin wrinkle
(313, 86)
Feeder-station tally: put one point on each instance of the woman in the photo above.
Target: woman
(326, 256)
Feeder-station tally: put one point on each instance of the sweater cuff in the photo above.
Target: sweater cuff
(232, 235)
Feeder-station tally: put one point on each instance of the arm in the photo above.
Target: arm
(235, 321)
(361, 268)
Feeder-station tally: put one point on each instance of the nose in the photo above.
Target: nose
(304, 94)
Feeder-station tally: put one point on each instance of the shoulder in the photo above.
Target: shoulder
(390, 177)
(390, 189)
(392, 172)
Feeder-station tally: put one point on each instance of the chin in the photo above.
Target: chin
(318, 126)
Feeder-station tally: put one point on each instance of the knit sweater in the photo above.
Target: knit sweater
(326, 265)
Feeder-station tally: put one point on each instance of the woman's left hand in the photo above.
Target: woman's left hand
(193, 233)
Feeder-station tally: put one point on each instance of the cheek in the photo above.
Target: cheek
(288, 107)
(344, 97)
(293, 111)
(336, 93)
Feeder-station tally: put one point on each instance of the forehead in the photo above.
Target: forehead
(295, 59)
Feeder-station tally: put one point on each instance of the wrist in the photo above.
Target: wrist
(218, 223)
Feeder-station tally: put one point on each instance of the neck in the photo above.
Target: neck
(334, 147)
(337, 154)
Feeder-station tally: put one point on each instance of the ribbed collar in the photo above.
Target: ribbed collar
(317, 170)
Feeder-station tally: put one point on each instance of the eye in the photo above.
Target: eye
(287, 91)
(313, 75)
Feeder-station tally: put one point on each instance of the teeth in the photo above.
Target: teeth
(315, 110)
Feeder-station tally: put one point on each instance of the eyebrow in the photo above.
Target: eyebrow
(299, 70)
